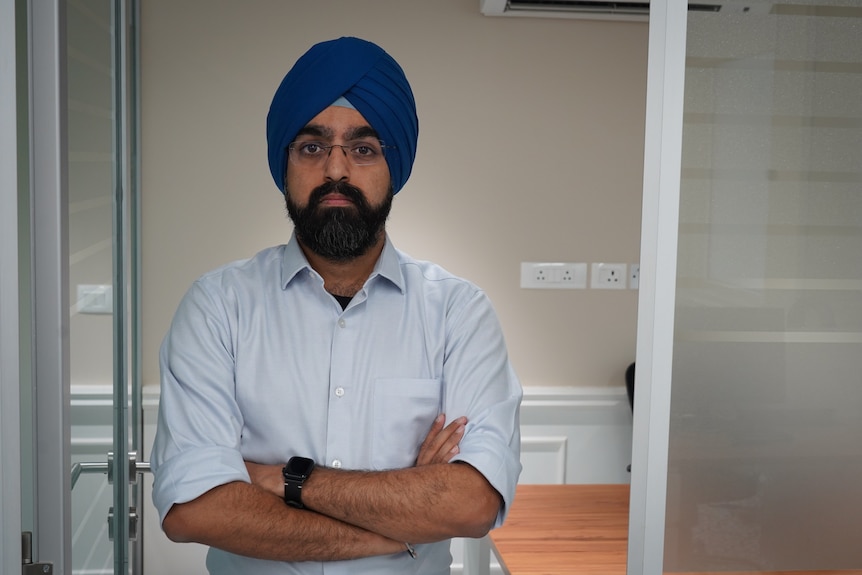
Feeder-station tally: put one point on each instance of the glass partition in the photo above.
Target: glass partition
(91, 189)
(765, 453)
(101, 63)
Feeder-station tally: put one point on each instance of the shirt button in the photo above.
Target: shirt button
(339, 391)
(341, 323)
(336, 464)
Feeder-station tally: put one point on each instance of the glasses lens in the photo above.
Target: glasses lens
(366, 153)
(307, 153)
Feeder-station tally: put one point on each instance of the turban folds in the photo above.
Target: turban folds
(364, 74)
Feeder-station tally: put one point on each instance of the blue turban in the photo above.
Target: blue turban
(371, 81)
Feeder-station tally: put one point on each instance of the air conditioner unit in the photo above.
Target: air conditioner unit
(630, 10)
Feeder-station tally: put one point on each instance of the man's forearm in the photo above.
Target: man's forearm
(243, 519)
(417, 504)
(433, 501)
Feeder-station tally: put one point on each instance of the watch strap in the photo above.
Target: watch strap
(295, 473)
(293, 493)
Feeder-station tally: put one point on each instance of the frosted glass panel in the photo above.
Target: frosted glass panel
(765, 461)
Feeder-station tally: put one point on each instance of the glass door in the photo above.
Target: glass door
(102, 224)
(765, 461)
(747, 452)
(69, 293)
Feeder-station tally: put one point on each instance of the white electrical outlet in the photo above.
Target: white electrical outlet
(608, 276)
(95, 299)
(553, 275)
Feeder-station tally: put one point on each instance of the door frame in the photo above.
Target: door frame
(44, 38)
(50, 272)
(10, 420)
(657, 291)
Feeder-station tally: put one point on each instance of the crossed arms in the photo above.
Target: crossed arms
(350, 514)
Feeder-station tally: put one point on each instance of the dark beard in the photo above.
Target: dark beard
(338, 234)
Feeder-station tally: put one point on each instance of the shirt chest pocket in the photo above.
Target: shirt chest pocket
(404, 410)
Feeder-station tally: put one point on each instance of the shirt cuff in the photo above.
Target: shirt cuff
(190, 474)
(500, 466)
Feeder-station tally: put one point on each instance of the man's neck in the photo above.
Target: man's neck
(345, 278)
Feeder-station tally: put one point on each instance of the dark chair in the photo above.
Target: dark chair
(630, 385)
(630, 389)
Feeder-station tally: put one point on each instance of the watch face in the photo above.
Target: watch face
(299, 467)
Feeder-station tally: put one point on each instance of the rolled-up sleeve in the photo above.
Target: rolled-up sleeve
(198, 437)
(481, 384)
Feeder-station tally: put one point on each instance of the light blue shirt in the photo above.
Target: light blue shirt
(262, 364)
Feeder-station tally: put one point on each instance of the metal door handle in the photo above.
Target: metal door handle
(135, 467)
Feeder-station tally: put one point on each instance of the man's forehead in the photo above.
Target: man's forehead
(338, 121)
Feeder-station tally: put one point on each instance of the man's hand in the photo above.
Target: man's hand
(267, 477)
(441, 445)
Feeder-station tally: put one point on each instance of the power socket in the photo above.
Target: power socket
(609, 276)
(553, 275)
(95, 299)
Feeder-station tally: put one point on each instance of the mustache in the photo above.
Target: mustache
(349, 191)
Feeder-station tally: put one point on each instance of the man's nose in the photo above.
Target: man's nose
(337, 166)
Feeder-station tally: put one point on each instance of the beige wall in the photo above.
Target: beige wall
(530, 149)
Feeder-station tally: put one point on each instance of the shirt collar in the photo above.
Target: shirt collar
(387, 266)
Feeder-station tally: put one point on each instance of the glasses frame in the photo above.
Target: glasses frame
(345, 148)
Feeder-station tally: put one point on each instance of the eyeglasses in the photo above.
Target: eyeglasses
(360, 153)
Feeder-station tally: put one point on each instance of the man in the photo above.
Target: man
(332, 405)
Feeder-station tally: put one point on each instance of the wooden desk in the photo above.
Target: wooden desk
(561, 529)
(583, 529)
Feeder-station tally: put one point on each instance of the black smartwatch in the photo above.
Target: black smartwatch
(295, 474)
